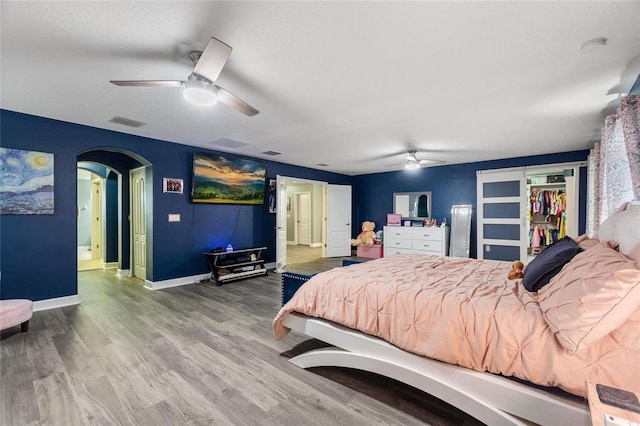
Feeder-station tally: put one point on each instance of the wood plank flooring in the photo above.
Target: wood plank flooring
(192, 355)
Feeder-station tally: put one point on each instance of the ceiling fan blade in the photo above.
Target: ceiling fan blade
(229, 99)
(148, 83)
(428, 162)
(212, 60)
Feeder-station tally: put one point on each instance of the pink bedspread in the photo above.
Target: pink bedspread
(460, 311)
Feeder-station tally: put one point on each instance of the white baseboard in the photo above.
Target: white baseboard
(292, 243)
(56, 302)
(175, 282)
(123, 272)
(315, 245)
(110, 265)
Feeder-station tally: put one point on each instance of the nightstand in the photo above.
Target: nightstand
(602, 414)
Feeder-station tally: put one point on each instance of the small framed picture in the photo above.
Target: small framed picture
(172, 185)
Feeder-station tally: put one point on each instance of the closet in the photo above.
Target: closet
(515, 203)
(547, 216)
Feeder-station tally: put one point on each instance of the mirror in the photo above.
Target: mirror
(460, 230)
(412, 205)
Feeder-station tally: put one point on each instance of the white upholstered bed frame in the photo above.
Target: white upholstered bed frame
(490, 398)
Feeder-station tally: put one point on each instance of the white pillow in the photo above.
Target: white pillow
(623, 226)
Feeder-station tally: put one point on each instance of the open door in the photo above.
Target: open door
(138, 223)
(97, 252)
(281, 224)
(338, 217)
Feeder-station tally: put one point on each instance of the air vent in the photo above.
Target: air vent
(322, 165)
(228, 143)
(127, 122)
(271, 153)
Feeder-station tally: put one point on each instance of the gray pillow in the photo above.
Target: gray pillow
(548, 263)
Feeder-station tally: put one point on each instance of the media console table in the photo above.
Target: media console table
(237, 264)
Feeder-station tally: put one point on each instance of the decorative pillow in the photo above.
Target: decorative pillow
(593, 295)
(634, 253)
(548, 263)
(585, 242)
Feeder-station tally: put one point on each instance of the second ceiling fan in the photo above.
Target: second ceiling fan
(200, 87)
(412, 162)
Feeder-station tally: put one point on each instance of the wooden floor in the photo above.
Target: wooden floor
(192, 355)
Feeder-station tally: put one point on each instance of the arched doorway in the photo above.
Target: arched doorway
(116, 165)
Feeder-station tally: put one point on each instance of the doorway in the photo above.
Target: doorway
(302, 219)
(90, 225)
(113, 166)
(329, 220)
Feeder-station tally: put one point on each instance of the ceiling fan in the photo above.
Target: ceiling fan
(412, 162)
(199, 87)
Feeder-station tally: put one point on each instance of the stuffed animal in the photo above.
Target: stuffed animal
(367, 236)
(516, 270)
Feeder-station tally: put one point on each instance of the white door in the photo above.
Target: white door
(338, 219)
(138, 223)
(96, 219)
(303, 218)
(281, 224)
(502, 214)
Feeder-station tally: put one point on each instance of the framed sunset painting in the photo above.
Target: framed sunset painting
(227, 180)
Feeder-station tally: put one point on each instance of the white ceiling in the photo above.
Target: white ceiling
(349, 84)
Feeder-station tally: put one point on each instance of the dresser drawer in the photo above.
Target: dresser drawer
(429, 234)
(425, 240)
(397, 243)
(392, 232)
(435, 246)
(390, 251)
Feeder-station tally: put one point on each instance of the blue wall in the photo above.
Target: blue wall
(449, 185)
(38, 258)
(38, 252)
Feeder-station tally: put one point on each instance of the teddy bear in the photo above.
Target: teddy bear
(367, 236)
(516, 270)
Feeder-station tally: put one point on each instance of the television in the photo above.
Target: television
(220, 179)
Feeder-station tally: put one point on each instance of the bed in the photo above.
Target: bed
(461, 331)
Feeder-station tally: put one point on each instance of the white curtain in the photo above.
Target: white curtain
(614, 164)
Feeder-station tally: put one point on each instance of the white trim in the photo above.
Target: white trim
(509, 169)
(110, 265)
(175, 282)
(315, 245)
(123, 272)
(56, 302)
(490, 398)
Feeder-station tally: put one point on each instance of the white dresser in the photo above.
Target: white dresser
(414, 239)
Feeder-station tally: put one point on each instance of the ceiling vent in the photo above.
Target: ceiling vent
(228, 143)
(272, 153)
(127, 122)
(322, 165)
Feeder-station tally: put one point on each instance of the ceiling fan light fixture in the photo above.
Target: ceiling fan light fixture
(412, 165)
(200, 96)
